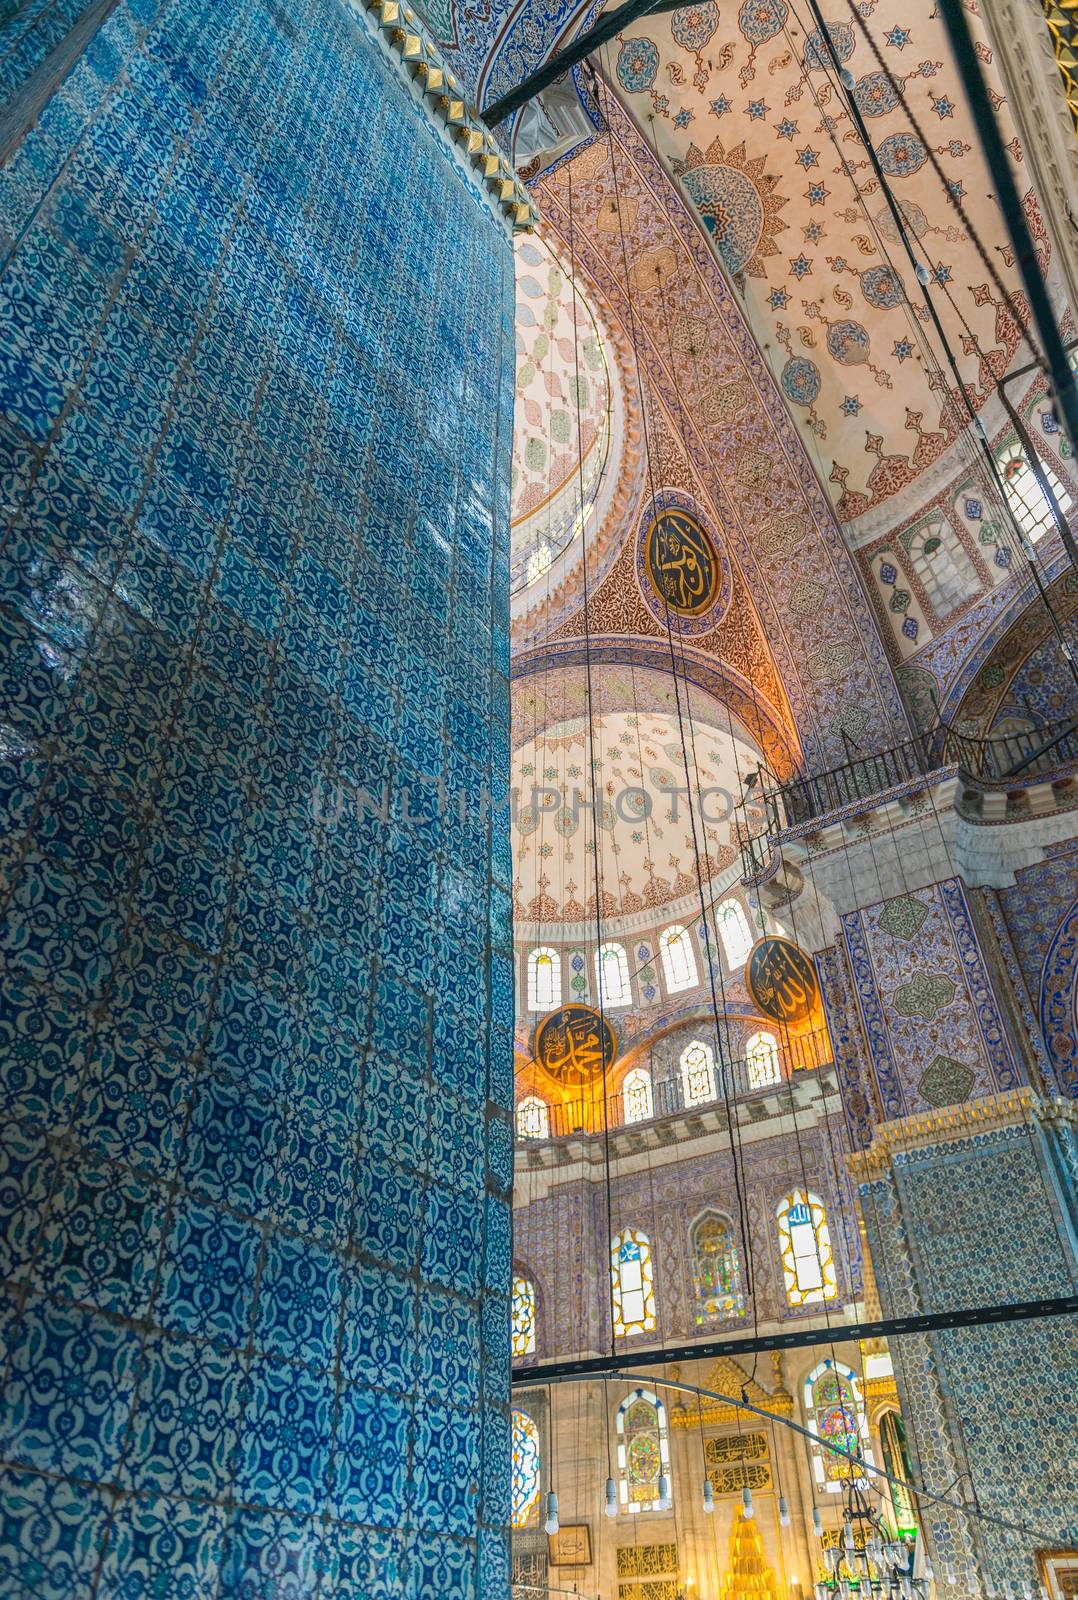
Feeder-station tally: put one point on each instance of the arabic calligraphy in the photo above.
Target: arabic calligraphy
(782, 980)
(683, 564)
(573, 1043)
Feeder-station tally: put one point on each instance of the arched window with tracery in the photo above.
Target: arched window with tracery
(1025, 495)
(697, 1073)
(678, 958)
(715, 1270)
(762, 1059)
(525, 1441)
(805, 1245)
(633, 1283)
(612, 975)
(734, 931)
(544, 979)
(943, 564)
(636, 1097)
(533, 1118)
(643, 1450)
(523, 1316)
(834, 1413)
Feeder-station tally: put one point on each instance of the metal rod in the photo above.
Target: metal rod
(563, 60)
(919, 1492)
(1052, 347)
(797, 1339)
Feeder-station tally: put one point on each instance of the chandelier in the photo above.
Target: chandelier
(869, 1560)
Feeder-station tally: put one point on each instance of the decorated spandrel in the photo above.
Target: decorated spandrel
(682, 563)
(781, 980)
(573, 1044)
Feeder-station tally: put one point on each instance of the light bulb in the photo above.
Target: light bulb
(611, 1507)
(551, 1525)
(747, 1508)
(816, 1522)
(664, 1501)
(784, 1512)
(709, 1497)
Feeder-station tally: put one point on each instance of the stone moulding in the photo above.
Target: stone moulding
(420, 62)
(1013, 1108)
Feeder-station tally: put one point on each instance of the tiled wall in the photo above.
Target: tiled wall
(1040, 916)
(255, 377)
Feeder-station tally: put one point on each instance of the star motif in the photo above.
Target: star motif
(757, 109)
(800, 267)
(957, 188)
(808, 158)
(942, 106)
(851, 406)
(943, 274)
(779, 299)
(720, 107)
(816, 194)
(786, 129)
(898, 38)
(813, 232)
(903, 349)
(683, 118)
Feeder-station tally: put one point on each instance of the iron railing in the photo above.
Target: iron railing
(668, 1097)
(1016, 755)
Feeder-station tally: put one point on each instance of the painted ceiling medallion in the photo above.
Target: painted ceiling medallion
(573, 1044)
(682, 563)
(781, 980)
(737, 200)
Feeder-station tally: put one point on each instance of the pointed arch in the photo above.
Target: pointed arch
(533, 1118)
(678, 958)
(805, 1245)
(632, 1280)
(637, 1096)
(834, 1412)
(612, 975)
(643, 1450)
(734, 931)
(526, 1470)
(762, 1059)
(524, 1315)
(544, 978)
(716, 1270)
(697, 1073)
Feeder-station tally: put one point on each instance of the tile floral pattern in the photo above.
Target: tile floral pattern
(255, 429)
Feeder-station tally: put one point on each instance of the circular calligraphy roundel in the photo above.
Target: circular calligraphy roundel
(682, 562)
(573, 1044)
(781, 980)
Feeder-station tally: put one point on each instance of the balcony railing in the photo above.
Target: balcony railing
(668, 1095)
(1018, 756)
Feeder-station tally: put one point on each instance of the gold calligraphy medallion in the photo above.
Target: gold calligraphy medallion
(682, 563)
(572, 1044)
(781, 980)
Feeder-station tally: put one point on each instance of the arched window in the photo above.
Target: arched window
(944, 566)
(805, 1243)
(612, 973)
(679, 959)
(697, 1073)
(636, 1096)
(523, 1317)
(643, 1450)
(715, 1271)
(1026, 497)
(525, 1439)
(544, 979)
(633, 1283)
(539, 562)
(734, 931)
(762, 1059)
(533, 1118)
(833, 1412)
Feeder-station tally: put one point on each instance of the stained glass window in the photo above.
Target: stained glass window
(632, 1279)
(525, 1438)
(715, 1270)
(612, 972)
(697, 1073)
(544, 979)
(1026, 497)
(679, 960)
(523, 1317)
(833, 1411)
(944, 566)
(636, 1095)
(735, 933)
(762, 1060)
(805, 1243)
(533, 1118)
(643, 1449)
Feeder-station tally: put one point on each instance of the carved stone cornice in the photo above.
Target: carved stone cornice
(726, 1376)
(973, 1118)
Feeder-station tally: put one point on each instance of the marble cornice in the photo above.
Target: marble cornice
(1022, 1107)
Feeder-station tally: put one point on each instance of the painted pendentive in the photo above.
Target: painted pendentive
(257, 397)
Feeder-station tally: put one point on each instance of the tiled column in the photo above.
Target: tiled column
(255, 378)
